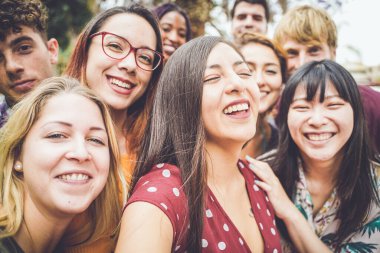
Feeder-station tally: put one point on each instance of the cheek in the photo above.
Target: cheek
(144, 77)
(293, 124)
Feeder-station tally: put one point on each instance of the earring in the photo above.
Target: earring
(18, 166)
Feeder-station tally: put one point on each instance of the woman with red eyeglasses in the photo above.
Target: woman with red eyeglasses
(119, 56)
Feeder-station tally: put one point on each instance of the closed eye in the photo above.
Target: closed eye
(56, 136)
(214, 78)
(96, 140)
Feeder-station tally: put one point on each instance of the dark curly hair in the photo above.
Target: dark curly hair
(16, 13)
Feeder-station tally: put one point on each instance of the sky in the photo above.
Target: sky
(358, 25)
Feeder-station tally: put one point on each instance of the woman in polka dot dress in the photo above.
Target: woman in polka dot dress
(190, 192)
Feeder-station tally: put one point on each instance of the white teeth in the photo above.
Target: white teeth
(120, 83)
(74, 177)
(319, 137)
(236, 108)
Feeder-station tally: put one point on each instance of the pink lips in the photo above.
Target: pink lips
(118, 89)
(23, 86)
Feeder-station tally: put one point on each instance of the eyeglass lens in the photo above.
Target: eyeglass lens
(118, 48)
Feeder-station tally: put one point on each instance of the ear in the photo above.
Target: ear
(53, 48)
(333, 53)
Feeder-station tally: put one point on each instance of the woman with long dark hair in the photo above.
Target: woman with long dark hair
(190, 192)
(325, 165)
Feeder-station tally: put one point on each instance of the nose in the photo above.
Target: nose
(13, 65)
(234, 83)
(78, 151)
(260, 79)
(248, 22)
(172, 36)
(317, 117)
(129, 62)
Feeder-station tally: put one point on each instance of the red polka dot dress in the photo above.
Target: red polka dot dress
(162, 188)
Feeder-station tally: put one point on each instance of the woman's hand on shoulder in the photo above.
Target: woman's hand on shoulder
(144, 228)
(283, 206)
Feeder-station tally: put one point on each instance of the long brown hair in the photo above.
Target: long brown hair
(175, 132)
(138, 112)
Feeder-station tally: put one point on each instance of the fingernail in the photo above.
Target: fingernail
(247, 157)
(257, 181)
(251, 166)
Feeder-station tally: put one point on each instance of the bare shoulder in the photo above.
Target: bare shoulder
(142, 220)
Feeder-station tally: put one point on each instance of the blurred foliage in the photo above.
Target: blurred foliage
(66, 20)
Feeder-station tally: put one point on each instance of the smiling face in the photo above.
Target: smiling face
(25, 60)
(267, 70)
(299, 54)
(248, 17)
(120, 82)
(65, 156)
(320, 129)
(173, 32)
(230, 98)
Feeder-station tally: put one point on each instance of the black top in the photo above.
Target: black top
(9, 245)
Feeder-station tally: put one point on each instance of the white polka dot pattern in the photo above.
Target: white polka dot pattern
(222, 245)
(164, 206)
(204, 243)
(166, 173)
(152, 189)
(164, 189)
(176, 192)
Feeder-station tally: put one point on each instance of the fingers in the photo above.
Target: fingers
(266, 187)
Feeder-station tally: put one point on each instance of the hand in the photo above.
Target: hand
(281, 203)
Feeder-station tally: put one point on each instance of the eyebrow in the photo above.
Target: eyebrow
(326, 97)
(94, 128)
(217, 66)
(20, 39)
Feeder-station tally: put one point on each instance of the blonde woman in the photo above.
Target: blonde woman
(56, 162)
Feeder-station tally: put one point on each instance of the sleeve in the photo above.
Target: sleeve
(162, 187)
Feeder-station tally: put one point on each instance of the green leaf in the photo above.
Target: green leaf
(371, 227)
(359, 247)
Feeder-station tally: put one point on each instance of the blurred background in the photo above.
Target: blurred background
(357, 22)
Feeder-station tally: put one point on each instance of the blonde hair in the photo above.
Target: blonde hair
(105, 211)
(307, 25)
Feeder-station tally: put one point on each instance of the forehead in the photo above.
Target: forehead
(289, 43)
(249, 9)
(230, 56)
(132, 27)
(65, 106)
(255, 52)
(173, 17)
(25, 31)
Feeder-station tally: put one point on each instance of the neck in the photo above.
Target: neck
(120, 118)
(322, 170)
(31, 238)
(222, 163)
(257, 145)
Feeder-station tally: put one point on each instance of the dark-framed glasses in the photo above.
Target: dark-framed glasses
(118, 48)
